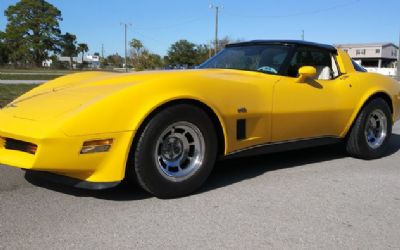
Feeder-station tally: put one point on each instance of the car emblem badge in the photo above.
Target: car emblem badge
(242, 110)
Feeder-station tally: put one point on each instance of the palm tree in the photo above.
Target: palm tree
(82, 48)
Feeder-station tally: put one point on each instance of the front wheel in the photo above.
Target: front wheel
(370, 134)
(176, 152)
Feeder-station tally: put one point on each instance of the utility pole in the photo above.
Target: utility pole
(302, 35)
(102, 56)
(217, 8)
(126, 45)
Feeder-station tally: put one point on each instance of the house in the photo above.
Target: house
(373, 55)
(93, 61)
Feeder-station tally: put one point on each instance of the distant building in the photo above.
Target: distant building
(377, 55)
(47, 63)
(93, 61)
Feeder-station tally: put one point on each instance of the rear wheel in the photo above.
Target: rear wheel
(176, 152)
(369, 137)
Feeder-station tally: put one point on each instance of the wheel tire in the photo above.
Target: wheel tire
(360, 143)
(151, 159)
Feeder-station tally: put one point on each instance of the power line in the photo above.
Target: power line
(190, 21)
(148, 37)
(303, 13)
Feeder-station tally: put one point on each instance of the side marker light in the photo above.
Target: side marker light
(96, 146)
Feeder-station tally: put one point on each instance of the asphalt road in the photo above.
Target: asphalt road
(310, 199)
(22, 81)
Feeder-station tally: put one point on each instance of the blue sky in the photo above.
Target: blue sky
(160, 23)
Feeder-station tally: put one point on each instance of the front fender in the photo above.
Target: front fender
(126, 108)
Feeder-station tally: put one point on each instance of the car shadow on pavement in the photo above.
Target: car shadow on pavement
(226, 172)
(122, 192)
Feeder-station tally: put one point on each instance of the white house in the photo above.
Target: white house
(372, 55)
(93, 61)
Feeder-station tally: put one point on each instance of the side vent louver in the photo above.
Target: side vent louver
(241, 129)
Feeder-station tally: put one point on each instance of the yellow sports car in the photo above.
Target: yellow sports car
(165, 129)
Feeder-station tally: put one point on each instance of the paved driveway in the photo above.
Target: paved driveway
(22, 81)
(309, 199)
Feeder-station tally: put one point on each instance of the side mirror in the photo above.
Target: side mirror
(306, 72)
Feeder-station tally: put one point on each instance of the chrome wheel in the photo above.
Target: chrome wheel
(180, 150)
(376, 129)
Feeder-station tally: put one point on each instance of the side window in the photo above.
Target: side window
(322, 60)
(271, 60)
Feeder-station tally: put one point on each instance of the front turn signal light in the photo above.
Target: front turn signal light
(31, 148)
(96, 146)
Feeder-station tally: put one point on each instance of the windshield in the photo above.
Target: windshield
(261, 58)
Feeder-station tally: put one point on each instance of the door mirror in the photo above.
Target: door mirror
(306, 72)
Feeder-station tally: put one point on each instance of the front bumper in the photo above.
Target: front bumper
(60, 154)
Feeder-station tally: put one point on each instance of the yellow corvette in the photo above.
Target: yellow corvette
(165, 129)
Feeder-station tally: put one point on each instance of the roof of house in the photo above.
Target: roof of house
(288, 42)
(352, 45)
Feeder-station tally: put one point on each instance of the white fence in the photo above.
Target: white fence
(384, 71)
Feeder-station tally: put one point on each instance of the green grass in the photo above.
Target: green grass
(9, 92)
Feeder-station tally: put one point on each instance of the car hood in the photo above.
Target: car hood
(75, 91)
(61, 95)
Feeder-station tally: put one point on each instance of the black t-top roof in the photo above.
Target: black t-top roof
(288, 42)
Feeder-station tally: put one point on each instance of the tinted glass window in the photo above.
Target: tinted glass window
(358, 67)
(309, 57)
(261, 58)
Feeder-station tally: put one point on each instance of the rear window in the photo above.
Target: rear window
(358, 67)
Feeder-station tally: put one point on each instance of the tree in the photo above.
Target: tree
(203, 53)
(136, 45)
(142, 59)
(182, 52)
(82, 48)
(154, 61)
(4, 51)
(32, 30)
(224, 41)
(136, 51)
(114, 60)
(147, 60)
(68, 46)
